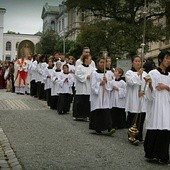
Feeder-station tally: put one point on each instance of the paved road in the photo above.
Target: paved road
(44, 140)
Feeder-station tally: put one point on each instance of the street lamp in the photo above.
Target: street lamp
(64, 43)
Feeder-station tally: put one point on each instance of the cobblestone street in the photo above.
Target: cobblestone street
(33, 137)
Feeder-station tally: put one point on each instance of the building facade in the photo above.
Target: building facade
(16, 44)
(2, 12)
(55, 18)
(49, 14)
(68, 22)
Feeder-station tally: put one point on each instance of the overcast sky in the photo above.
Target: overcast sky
(24, 16)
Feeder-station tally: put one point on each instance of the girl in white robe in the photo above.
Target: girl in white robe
(71, 66)
(82, 74)
(55, 86)
(157, 138)
(65, 90)
(100, 116)
(34, 73)
(135, 97)
(117, 100)
(47, 77)
(42, 65)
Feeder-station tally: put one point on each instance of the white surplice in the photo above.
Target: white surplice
(158, 103)
(100, 95)
(118, 96)
(82, 83)
(55, 83)
(134, 103)
(65, 86)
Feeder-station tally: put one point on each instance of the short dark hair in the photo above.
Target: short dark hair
(65, 65)
(84, 57)
(135, 56)
(120, 71)
(162, 55)
(86, 48)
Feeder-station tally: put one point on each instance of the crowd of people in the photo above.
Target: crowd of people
(100, 95)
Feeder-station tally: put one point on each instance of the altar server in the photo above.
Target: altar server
(82, 74)
(157, 138)
(55, 85)
(47, 77)
(100, 116)
(65, 90)
(135, 97)
(118, 94)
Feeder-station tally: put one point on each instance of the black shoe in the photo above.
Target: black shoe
(136, 143)
(111, 131)
(161, 161)
(60, 112)
(98, 132)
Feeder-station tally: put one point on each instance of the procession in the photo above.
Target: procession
(84, 84)
(100, 95)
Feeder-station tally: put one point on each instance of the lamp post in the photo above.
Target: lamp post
(64, 43)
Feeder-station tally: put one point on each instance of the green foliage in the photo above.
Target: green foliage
(122, 31)
(47, 42)
(117, 38)
(11, 32)
(50, 43)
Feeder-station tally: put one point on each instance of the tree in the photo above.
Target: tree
(69, 46)
(116, 38)
(12, 32)
(122, 30)
(122, 10)
(48, 42)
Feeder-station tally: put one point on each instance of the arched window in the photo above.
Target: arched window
(63, 24)
(53, 25)
(8, 46)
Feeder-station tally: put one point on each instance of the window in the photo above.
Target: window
(53, 25)
(62, 23)
(8, 46)
(8, 57)
(59, 25)
(82, 16)
(17, 46)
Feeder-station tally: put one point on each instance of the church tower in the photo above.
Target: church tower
(2, 12)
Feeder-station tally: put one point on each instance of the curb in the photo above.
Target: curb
(8, 159)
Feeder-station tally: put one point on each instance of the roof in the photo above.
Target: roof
(3, 9)
(48, 9)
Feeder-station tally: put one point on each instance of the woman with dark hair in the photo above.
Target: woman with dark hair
(47, 78)
(100, 116)
(157, 138)
(33, 83)
(41, 67)
(135, 97)
(149, 65)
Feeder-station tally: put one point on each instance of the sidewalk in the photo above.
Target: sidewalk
(12, 101)
(8, 160)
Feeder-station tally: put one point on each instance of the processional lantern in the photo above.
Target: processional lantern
(133, 131)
